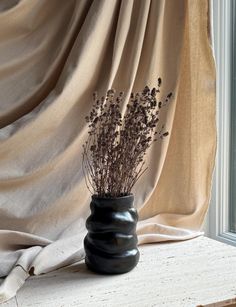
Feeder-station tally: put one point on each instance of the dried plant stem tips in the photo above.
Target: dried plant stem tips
(113, 155)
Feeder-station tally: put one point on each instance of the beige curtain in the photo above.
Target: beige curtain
(53, 55)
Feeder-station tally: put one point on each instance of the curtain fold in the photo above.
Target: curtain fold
(53, 56)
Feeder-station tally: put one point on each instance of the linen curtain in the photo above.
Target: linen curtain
(53, 55)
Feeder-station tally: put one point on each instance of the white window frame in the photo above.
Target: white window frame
(221, 18)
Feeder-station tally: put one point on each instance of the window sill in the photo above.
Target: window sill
(196, 272)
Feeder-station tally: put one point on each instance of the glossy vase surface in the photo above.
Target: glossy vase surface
(111, 242)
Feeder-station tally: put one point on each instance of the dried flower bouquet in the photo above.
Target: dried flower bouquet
(113, 161)
(113, 155)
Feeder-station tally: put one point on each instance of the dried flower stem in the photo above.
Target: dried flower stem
(113, 155)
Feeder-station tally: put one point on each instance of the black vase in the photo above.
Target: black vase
(111, 242)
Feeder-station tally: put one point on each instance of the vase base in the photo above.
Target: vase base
(112, 266)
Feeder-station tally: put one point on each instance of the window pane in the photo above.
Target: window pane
(232, 215)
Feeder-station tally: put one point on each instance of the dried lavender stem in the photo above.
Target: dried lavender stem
(113, 157)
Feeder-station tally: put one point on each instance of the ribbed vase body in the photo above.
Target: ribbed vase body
(111, 242)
